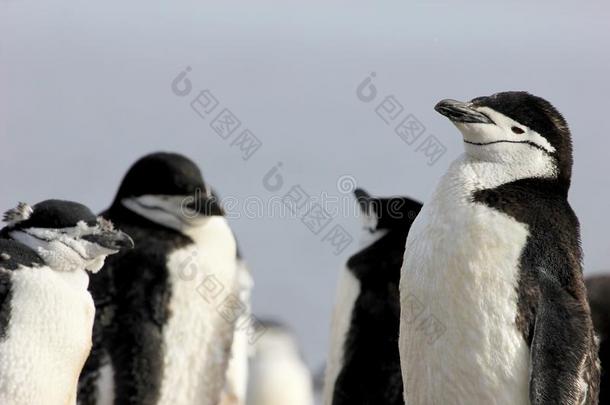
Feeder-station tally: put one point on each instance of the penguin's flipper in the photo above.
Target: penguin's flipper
(561, 350)
(5, 290)
(88, 390)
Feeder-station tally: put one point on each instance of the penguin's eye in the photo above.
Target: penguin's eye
(517, 130)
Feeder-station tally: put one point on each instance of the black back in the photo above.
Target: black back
(598, 291)
(12, 255)
(371, 371)
(551, 289)
(131, 296)
(554, 242)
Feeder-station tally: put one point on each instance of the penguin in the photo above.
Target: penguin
(236, 382)
(278, 375)
(493, 302)
(598, 292)
(166, 308)
(46, 312)
(364, 367)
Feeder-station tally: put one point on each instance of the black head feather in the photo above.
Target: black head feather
(161, 173)
(56, 214)
(391, 212)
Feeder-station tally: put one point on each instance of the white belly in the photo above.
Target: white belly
(236, 384)
(48, 339)
(458, 340)
(196, 336)
(348, 290)
(280, 381)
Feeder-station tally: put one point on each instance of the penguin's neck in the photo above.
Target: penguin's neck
(210, 227)
(78, 279)
(473, 174)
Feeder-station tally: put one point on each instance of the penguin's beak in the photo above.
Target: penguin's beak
(461, 112)
(363, 199)
(113, 240)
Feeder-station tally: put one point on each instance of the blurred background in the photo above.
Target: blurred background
(87, 88)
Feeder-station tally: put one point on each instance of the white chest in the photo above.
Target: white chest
(280, 381)
(48, 339)
(196, 336)
(236, 385)
(458, 339)
(348, 290)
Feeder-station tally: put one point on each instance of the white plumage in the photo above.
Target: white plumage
(50, 311)
(278, 376)
(236, 383)
(197, 337)
(48, 339)
(348, 289)
(459, 343)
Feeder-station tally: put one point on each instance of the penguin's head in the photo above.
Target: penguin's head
(380, 215)
(517, 129)
(275, 339)
(65, 234)
(168, 189)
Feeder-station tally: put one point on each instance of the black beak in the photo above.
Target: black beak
(361, 194)
(113, 240)
(363, 198)
(458, 111)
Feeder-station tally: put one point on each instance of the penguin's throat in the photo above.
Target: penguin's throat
(66, 259)
(474, 174)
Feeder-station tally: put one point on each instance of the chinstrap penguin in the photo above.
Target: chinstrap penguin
(164, 328)
(598, 292)
(364, 365)
(46, 312)
(494, 258)
(278, 375)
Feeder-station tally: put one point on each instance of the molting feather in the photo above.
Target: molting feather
(105, 224)
(20, 213)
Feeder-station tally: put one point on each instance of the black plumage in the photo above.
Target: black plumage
(131, 297)
(598, 292)
(133, 291)
(12, 255)
(371, 371)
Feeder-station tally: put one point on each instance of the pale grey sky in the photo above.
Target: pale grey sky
(85, 90)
